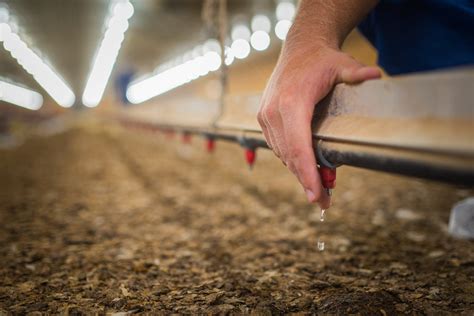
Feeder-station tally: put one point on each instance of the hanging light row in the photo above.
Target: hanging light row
(43, 73)
(107, 53)
(206, 58)
(195, 64)
(20, 96)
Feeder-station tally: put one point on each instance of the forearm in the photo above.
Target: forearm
(326, 22)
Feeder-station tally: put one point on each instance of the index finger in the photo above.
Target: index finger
(297, 128)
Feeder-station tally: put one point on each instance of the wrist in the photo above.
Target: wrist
(310, 38)
(296, 44)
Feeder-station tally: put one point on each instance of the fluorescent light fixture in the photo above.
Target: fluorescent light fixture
(212, 60)
(107, 53)
(4, 14)
(240, 31)
(199, 62)
(46, 77)
(260, 40)
(212, 45)
(282, 28)
(4, 30)
(240, 48)
(261, 22)
(159, 84)
(285, 10)
(20, 96)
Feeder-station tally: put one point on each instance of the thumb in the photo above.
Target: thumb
(354, 72)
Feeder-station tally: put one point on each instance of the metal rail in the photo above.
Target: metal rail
(419, 125)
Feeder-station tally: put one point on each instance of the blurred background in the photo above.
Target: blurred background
(110, 219)
(58, 48)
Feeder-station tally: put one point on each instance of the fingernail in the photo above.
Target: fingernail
(310, 195)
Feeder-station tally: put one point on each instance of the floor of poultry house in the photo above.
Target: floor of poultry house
(103, 220)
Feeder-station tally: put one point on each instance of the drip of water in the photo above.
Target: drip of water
(320, 245)
(321, 217)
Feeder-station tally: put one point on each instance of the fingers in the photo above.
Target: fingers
(304, 168)
(265, 123)
(359, 74)
(270, 120)
(300, 155)
(278, 126)
(287, 109)
(264, 126)
(273, 118)
(270, 124)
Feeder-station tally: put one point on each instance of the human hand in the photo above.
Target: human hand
(302, 78)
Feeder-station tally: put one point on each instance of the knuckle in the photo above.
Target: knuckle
(271, 113)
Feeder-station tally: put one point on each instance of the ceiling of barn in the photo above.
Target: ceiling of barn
(67, 34)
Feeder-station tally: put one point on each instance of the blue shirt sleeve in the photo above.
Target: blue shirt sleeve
(421, 35)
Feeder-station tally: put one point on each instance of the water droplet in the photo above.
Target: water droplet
(320, 245)
(321, 217)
